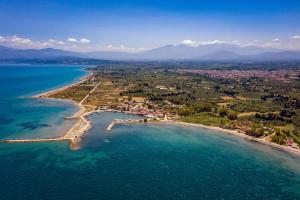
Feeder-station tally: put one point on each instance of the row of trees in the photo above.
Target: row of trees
(207, 107)
(273, 116)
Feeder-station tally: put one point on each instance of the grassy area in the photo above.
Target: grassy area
(260, 107)
(76, 93)
(207, 119)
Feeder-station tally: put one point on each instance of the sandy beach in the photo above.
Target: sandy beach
(75, 133)
(214, 128)
(237, 133)
(51, 92)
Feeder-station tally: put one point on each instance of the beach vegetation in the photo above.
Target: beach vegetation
(227, 96)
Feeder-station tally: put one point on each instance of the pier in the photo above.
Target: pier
(110, 126)
(34, 140)
(74, 134)
(123, 121)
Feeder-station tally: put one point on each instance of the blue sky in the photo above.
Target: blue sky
(132, 25)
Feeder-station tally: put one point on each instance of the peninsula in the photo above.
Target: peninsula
(209, 98)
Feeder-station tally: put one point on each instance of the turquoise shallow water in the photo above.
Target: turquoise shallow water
(148, 161)
(23, 117)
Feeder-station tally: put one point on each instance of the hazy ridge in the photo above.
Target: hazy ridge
(213, 52)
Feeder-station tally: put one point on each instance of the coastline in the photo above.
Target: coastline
(80, 128)
(239, 134)
(213, 128)
(53, 91)
(75, 133)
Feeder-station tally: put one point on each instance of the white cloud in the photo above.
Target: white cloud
(85, 45)
(24, 43)
(198, 43)
(295, 37)
(237, 42)
(275, 43)
(72, 40)
(189, 42)
(72, 44)
(55, 42)
(212, 42)
(122, 47)
(16, 41)
(85, 41)
(19, 40)
(271, 44)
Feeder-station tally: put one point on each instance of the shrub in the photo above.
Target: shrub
(223, 112)
(232, 115)
(279, 139)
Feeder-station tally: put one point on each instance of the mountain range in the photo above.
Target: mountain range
(212, 52)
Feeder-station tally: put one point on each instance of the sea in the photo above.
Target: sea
(134, 161)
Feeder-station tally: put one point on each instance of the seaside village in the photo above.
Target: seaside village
(139, 106)
(108, 91)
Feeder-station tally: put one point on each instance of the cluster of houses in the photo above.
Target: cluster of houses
(139, 106)
(281, 75)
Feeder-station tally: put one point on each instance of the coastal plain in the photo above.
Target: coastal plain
(195, 97)
(145, 159)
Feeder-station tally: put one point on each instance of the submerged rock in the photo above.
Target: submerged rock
(33, 125)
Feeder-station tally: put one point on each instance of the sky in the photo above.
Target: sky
(137, 25)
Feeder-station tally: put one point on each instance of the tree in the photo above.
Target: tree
(223, 112)
(297, 103)
(185, 111)
(232, 115)
(203, 107)
(278, 138)
(217, 88)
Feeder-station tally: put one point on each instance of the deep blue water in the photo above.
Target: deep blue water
(148, 161)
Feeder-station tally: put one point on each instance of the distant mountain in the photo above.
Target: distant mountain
(275, 56)
(11, 53)
(108, 55)
(186, 52)
(221, 55)
(201, 51)
(170, 52)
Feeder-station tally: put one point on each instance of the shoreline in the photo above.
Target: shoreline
(80, 128)
(75, 133)
(53, 91)
(213, 128)
(239, 134)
